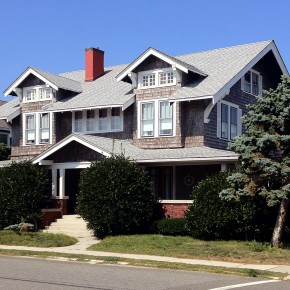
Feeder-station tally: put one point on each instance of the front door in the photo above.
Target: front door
(72, 179)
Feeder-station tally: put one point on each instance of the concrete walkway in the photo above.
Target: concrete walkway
(84, 243)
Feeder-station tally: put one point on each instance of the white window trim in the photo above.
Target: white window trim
(156, 103)
(260, 83)
(219, 120)
(109, 122)
(37, 96)
(176, 77)
(37, 128)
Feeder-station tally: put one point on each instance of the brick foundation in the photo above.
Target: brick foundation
(60, 204)
(171, 210)
(49, 216)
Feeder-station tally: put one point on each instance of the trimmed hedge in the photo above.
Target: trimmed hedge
(171, 227)
(116, 197)
(23, 189)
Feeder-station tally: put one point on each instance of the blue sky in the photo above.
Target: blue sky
(53, 34)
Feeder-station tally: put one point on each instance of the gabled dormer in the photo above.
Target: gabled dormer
(154, 68)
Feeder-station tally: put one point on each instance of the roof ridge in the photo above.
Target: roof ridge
(226, 47)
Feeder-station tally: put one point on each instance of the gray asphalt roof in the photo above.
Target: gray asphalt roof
(9, 108)
(105, 91)
(221, 65)
(115, 146)
(61, 81)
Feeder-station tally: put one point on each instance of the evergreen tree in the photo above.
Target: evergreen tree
(265, 154)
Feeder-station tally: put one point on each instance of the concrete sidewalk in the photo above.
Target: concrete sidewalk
(81, 249)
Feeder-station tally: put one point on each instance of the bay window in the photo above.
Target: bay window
(98, 120)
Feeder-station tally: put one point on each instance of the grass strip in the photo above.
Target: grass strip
(42, 240)
(187, 247)
(146, 263)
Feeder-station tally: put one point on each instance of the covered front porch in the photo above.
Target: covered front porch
(173, 172)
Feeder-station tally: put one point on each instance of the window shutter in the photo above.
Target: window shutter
(260, 86)
(218, 124)
(242, 82)
(240, 114)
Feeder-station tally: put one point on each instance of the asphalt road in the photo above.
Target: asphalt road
(30, 273)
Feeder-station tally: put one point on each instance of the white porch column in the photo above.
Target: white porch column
(53, 182)
(223, 167)
(61, 183)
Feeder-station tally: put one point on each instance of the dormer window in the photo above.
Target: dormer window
(38, 93)
(166, 78)
(156, 78)
(252, 83)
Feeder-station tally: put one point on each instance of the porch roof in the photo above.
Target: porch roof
(109, 147)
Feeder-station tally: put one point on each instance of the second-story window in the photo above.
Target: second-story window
(155, 118)
(103, 118)
(91, 120)
(37, 128)
(148, 80)
(78, 121)
(166, 78)
(147, 119)
(44, 128)
(30, 131)
(98, 120)
(229, 123)
(165, 118)
(252, 83)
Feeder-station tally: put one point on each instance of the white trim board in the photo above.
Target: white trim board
(23, 76)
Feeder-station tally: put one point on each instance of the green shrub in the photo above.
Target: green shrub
(171, 227)
(210, 217)
(116, 197)
(23, 187)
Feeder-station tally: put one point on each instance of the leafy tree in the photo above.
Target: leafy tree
(4, 152)
(23, 188)
(265, 154)
(116, 197)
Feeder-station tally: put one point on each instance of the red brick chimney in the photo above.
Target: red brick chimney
(94, 63)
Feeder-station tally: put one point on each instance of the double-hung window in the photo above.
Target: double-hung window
(78, 121)
(103, 119)
(165, 118)
(30, 129)
(156, 118)
(116, 119)
(91, 121)
(147, 119)
(44, 128)
(229, 123)
(37, 128)
(252, 83)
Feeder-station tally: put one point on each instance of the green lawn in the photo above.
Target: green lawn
(187, 247)
(35, 239)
